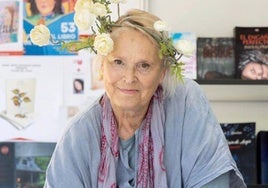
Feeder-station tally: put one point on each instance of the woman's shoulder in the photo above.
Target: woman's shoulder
(187, 89)
(189, 97)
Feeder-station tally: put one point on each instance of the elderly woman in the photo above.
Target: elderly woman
(147, 130)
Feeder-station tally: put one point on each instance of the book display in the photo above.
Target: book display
(242, 144)
(190, 62)
(215, 58)
(251, 52)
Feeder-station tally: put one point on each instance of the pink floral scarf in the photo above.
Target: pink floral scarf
(151, 171)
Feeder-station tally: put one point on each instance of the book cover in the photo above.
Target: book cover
(215, 58)
(60, 23)
(58, 17)
(242, 143)
(20, 101)
(31, 90)
(11, 42)
(24, 163)
(262, 157)
(190, 69)
(7, 165)
(251, 53)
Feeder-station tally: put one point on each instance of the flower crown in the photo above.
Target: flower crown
(94, 15)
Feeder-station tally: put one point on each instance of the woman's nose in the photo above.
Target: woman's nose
(130, 75)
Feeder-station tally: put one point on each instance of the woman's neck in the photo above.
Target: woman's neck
(128, 121)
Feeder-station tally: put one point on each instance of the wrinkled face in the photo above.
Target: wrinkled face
(45, 7)
(132, 71)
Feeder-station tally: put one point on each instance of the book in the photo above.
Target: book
(7, 165)
(262, 157)
(242, 143)
(189, 67)
(24, 163)
(251, 53)
(31, 89)
(11, 39)
(60, 24)
(215, 58)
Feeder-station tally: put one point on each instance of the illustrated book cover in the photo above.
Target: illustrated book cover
(24, 163)
(11, 41)
(242, 143)
(189, 68)
(251, 52)
(215, 58)
(60, 24)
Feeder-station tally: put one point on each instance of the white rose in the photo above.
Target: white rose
(83, 19)
(161, 26)
(185, 47)
(83, 4)
(103, 44)
(118, 1)
(40, 35)
(99, 9)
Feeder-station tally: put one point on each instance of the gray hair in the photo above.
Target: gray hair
(252, 56)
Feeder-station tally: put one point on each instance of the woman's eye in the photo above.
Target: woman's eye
(118, 62)
(143, 67)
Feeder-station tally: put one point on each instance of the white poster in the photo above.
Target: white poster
(31, 97)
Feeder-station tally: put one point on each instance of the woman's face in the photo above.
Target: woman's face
(45, 7)
(78, 85)
(255, 71)
(132, 71)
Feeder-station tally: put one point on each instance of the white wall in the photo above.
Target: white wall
(210, 18)
(234, 112)
(217, 18)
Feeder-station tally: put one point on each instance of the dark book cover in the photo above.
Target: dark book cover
(251, 53)
(23, 164)
(262, 157)
(242, 143)
(7, 165)
(215, 58)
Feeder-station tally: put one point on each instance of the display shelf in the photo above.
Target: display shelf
(235, 90)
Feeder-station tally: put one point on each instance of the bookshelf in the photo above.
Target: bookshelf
(235, 90)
